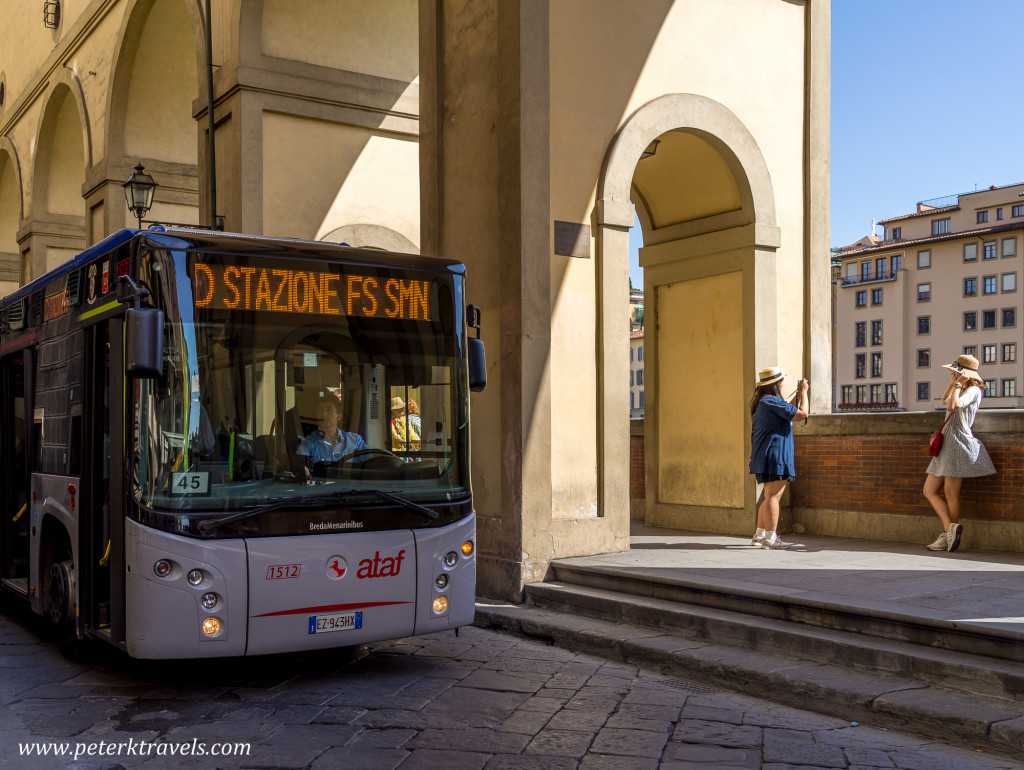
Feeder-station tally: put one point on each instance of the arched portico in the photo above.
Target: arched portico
(707, 207)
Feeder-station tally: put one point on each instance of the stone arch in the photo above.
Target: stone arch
(125, 84)
(712, 270)
(11, 214)
(56, 125)
(370, 236)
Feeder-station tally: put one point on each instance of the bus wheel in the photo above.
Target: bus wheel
(59, 594)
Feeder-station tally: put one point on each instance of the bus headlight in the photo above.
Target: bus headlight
(441, 582)
(162, 568)
(209, 600)
(451, 559)
(467, 548)
(440, 605)
(211, 626)
(195, 577)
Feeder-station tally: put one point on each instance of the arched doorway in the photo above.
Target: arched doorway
(702, 192)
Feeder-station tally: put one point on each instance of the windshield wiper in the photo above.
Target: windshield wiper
(307, 502)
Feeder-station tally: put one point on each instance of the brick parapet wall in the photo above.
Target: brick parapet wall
(876, 463)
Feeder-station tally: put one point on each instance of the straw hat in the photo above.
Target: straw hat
(769, 375)
(397, 403)
(966, 365)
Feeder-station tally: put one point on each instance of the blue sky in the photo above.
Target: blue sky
(925, 103)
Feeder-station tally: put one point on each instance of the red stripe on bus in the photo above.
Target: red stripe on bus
(328, 608)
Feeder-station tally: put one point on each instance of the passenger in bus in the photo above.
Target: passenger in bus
(403, 435)
(327, 443)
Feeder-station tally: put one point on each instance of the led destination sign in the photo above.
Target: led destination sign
(231, 287)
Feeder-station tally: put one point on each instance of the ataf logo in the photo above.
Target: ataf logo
(336, 568)
(377, 567)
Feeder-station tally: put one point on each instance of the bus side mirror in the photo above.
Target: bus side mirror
(475, 352)
(144, 346)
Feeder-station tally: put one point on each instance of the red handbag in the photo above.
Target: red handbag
(935, 445)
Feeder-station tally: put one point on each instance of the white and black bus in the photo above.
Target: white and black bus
(221, 445)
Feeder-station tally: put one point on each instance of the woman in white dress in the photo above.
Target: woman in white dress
(962, 455)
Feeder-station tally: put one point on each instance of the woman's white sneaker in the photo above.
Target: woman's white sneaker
(941, 543)
(773, 542)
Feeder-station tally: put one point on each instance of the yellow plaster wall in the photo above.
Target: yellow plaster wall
(66, 171)
(700, 375)
(378, 38)
(159, 123)
(361, 177)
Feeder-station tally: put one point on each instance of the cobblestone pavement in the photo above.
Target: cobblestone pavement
(479, 700)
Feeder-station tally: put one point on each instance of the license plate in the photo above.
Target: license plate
(347, 621)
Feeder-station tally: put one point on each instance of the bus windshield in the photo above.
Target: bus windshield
(286, 378)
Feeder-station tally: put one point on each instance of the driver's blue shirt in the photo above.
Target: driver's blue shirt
(322, 450)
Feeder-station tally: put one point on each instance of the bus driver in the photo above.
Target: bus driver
(326, 443)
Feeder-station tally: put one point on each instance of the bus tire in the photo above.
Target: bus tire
(59, 594)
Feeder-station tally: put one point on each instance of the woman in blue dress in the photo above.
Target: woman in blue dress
(771, 448)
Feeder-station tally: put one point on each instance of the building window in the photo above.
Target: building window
(865, 271)
(640, 353)
(999, 214)
(940, 226)
(897, 233)
(982, 217)
(639, 376)
(890, 393)
(924, 259)
(641, 399)
(851, 272)
(988, 284)
(970, 287)
(876, 364)
(1018, 210)
(924, 292)
(988, 354)
(924, 391)
(876, 296)
(1009, 352)
(862, 298)
(924, 324)
(970, 321)
(847, 394)
(970, 350)
(631, 394)
(988, 319)
(876, 394)
(880, 267)
(860, 366)
(897, 263)
(970, 252)
(876, 332)
(990, 387)
(1010, 386)
(631, 379)
(989, 250)
(1009, 317)
(1009, 247)
(1009, 282)
(862, 394)
(924, 357)
(860, 334)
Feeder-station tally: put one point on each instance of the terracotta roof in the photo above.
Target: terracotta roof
(898, 245)
(637, 335)
(926, 213)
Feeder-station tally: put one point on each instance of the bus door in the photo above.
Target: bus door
(14, 479)
(100, 546)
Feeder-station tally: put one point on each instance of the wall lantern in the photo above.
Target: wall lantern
(651, 149)
(51, 14)
(138, 191)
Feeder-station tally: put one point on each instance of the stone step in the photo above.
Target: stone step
(870, 619)
(965, 671)
(891, 701)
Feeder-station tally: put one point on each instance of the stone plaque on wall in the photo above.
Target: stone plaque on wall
(572, 240)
